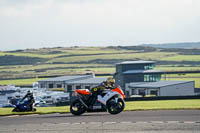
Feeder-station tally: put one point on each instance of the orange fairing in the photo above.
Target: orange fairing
(117, 89)
(83, 91)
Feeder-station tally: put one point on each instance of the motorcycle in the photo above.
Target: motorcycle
(111, 100)
(23, 106)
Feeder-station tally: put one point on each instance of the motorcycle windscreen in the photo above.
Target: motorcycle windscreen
(117, 89)
(83, 91)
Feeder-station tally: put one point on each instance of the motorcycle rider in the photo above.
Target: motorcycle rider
(97, 90)
(30, 100)
(108, 84)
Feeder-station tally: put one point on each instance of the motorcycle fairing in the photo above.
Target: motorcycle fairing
(109, 95)
(83, 91)
(117, 89)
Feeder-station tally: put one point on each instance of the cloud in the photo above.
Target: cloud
(27, 23)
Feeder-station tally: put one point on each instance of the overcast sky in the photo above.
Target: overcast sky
(63, 23)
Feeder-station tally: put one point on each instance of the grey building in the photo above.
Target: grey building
(197, 91)
(134, 77)
(161, 88)
(135, 71)
(86, 83)
(70, 83)
(140, 78)
(59, 82)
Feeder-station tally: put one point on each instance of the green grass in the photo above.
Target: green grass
(91, 51)
(25, 70)
(20, 81)
(177, 68)
(124, 56)
(33, 55)
(81, 62)
(130, 106)
(182, 58)
(197, 80)
(182, 77)
(163, 105)
(21, 68)
(40, 110)
(188, 77)
(43, 53)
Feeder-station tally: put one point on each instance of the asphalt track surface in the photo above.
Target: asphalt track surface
(161, 121)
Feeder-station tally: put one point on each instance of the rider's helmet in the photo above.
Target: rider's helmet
(29, 92)
(110, 81)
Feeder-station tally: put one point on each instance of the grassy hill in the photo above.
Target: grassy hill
(186, 45)
(34, 63)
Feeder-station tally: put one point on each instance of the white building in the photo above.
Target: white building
(71, 83)
(60, 82)
(161, 88)
(86, 83)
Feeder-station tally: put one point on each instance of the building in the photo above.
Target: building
(140, 78)
(136, 71)
(59, 82)
(86, 83)
(197, 91)
(161, 88)
(134, 77)
(70, 83)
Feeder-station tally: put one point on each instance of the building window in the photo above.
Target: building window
(87, 87)
(152, 77)
(133, 92)
(146, 78)
(149, 67)
(78, 87)
(69, 88)
(118, 68)
(141, 92)
(59, 86)
(154, 92)
(50, 85)
(42, 85)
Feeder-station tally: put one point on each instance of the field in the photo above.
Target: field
(182, 58)
(20, 81)
(17, 66)
(130, 106)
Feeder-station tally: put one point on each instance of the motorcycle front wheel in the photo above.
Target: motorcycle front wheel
(14, 110)
(115, 108)
(77, 108)
(34, 109)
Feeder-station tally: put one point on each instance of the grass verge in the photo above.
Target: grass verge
(130, 106)
(163, 105)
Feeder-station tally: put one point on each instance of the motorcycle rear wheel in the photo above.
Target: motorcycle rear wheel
(77, 108)
(116, 108)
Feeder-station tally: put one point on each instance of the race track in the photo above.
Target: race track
(133, 121)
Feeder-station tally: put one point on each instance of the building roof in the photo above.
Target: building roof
(156, 84)
(88, 81)
(135, 62)
(66, 78)
(141, 71)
